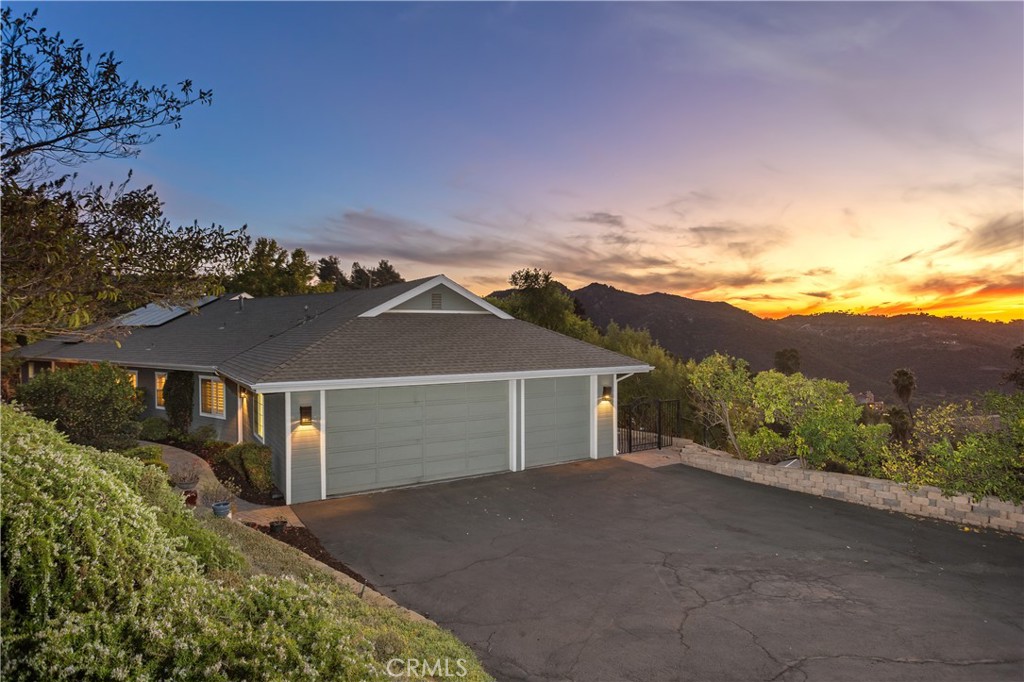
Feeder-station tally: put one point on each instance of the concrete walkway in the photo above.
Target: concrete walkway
(179, 461)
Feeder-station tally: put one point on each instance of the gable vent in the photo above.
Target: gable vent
(435, 301)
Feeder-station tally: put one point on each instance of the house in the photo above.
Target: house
(364, 390)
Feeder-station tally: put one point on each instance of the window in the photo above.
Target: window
(257, 415)
(133, 378)
(211, 397)
(161, 379)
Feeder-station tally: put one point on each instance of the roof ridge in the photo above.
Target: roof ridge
(340, 301)
(323, 338)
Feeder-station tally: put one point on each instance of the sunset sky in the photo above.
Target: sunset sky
(782, 157)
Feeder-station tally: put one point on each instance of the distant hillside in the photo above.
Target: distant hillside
(951, 357)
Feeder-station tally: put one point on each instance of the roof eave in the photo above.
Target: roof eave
(380, 382)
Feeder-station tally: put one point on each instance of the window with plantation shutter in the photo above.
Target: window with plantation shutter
(211, 397)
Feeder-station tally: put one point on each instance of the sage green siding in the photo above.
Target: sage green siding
(557, 420)
(274, 425)
(305, 449)
(449, 301)
(385, 437)
(605, 418)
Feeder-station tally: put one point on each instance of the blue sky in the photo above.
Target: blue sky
(785, 157)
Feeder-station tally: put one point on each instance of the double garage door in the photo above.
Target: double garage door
(386, 437)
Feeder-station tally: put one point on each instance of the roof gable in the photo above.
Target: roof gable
(418, 300)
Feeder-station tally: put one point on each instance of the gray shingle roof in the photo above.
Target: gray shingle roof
(320, 337)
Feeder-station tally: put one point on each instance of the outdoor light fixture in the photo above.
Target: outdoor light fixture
(306, 415)
(606, 394)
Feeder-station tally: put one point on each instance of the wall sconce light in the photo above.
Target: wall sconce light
(606, 394)
(305, 415)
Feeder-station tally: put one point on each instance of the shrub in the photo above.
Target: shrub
(213, 450)
(155, 429)
(765, 445)
(252, 461)
(256, 462)
(203, 434)
(145, 453)
(93, 404)
(179, 394)
(103, 578)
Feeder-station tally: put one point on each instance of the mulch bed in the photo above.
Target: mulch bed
(303, 540)
(226, 473)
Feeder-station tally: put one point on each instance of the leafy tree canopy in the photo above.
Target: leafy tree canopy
(74, 256)
(787, 360)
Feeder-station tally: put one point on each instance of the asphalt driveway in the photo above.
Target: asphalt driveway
(607, 570)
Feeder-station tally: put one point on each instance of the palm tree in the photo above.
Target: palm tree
(903, 383)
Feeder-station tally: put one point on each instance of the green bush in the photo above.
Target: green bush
(106, 575)
(155, 429)
(256, 462)
(252, 461)
(93, 404)
(145, 453)
(203, 434)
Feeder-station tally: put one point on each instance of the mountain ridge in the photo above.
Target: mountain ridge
(951, 357)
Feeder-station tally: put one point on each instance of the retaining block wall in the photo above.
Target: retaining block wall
(989, 512)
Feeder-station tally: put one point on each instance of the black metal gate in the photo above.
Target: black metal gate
(648, 424)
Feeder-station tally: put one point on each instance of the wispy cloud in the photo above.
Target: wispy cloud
(818, 294)
(998, 235)
(602, 218)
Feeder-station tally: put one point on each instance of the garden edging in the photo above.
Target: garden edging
(927, 501)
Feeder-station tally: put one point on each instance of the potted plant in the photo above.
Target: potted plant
(278, 524)
(219, 496)
(186, 479)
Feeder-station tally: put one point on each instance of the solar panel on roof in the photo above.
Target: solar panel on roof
(154, 315)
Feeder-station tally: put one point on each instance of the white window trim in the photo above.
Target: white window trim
(259, 405)
(213, 415)
(156, 383)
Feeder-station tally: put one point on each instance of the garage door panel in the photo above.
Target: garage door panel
(396, 395)
(399, 435)
(557, 420)
(355, 397)
(401, 473)
(445, 449)
(446, 412)
(399, 453)
(400, 415)
(348, 418)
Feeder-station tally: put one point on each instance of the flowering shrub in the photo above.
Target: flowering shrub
(105, 578)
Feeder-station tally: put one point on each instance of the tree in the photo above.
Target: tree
(787, 360)
(59, 106)
(179, 394)
(269, 270)
(541, 300)
(385, 274)
(328, 271)
(904, 383)
(74, 257)
(722, 395)
(1016, 375)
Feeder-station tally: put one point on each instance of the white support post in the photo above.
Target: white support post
(522, 424)
(615, 416)
(238, 404)
(323, 445)
(287, 447)
(593, 416)
(513, 425)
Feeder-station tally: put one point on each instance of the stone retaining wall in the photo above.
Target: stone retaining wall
(988, 512)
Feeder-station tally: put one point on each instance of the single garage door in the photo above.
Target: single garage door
(557, 413)
(385, 437)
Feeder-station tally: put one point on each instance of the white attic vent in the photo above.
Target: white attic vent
(435, 301)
